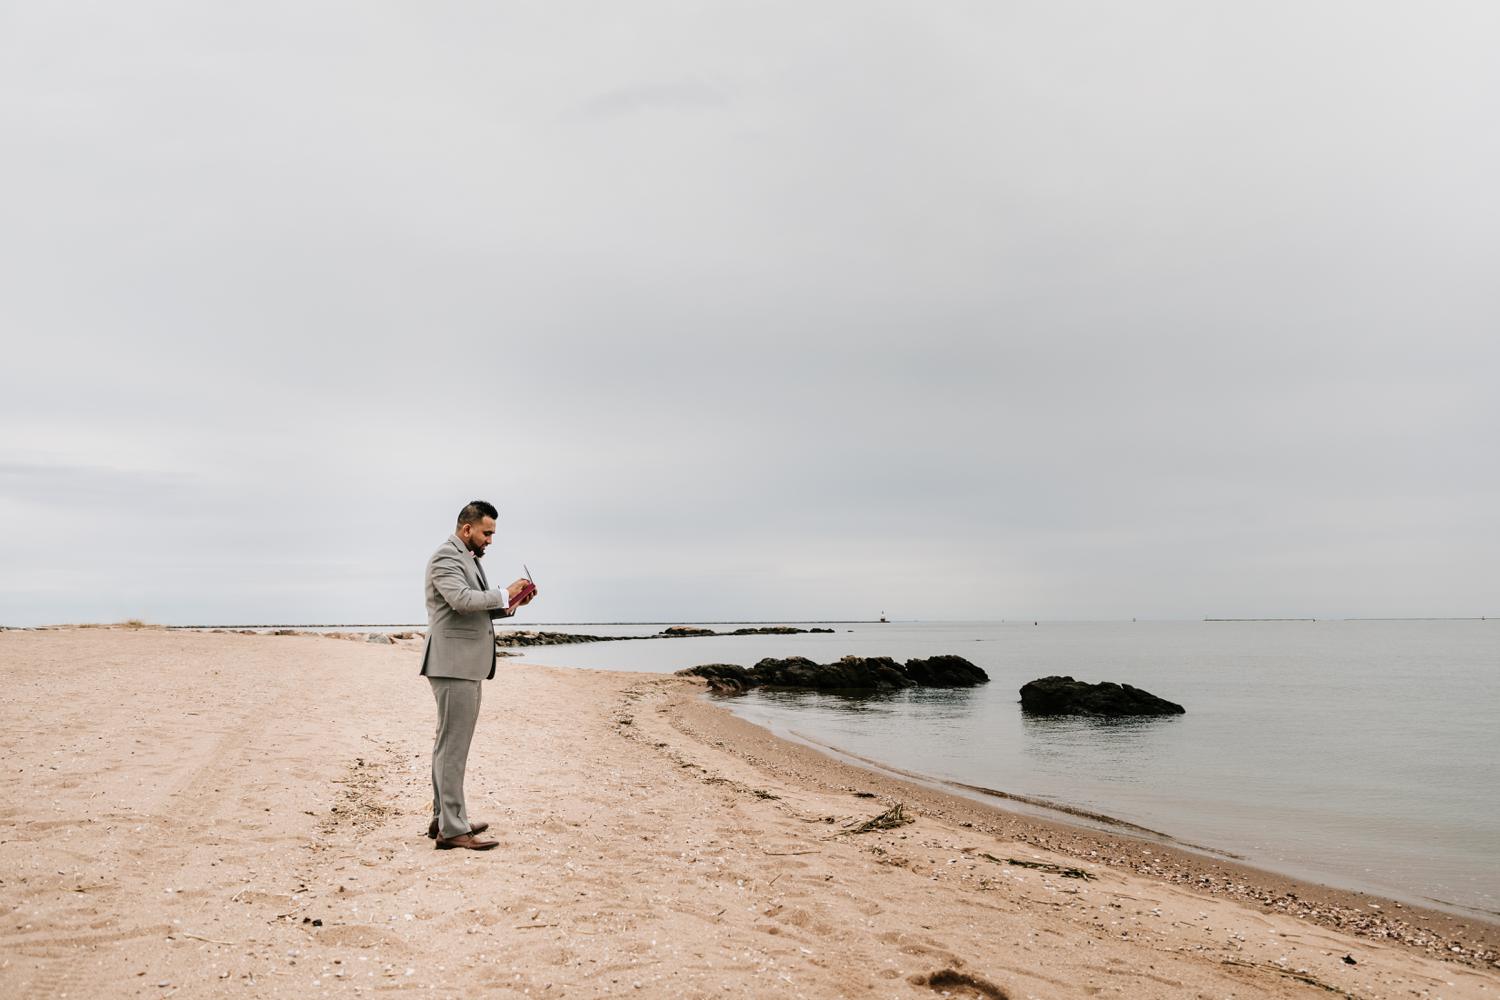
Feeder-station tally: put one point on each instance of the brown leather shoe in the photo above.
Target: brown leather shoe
(464, 840)
(432, 830)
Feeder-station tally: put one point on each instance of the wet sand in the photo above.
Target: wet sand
(194, 814)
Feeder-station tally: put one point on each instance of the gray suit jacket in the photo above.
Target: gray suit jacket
(460, 639)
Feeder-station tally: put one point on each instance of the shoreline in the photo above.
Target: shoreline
(1203, 868)
(1070, 815)
(232, 815)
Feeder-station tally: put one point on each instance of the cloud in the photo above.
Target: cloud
(679, 95)
(764, 311)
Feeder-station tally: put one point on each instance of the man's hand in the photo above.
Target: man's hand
(516, 588)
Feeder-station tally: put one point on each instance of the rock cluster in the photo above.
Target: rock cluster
(945, 672)
(530, 638)
(852, 673)
(1065, 696)
(691, 630)
(773, 630)
(524, 637)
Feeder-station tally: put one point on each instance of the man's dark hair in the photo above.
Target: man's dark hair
(477, 510)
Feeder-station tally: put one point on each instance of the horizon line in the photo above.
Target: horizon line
(796, 621)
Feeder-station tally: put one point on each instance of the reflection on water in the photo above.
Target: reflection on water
(936, 703)
(1117, 751)
(1087, 727)
(820, 701)
(1346, 752)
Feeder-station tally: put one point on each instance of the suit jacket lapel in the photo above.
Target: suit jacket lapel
(472, 573)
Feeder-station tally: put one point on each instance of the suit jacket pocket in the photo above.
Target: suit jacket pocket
(460, 633)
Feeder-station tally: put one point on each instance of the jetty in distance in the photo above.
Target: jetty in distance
(1412, 618)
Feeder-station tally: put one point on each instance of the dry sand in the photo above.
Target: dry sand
(191, 814)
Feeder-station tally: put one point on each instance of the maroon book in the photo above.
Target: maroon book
(525, 595)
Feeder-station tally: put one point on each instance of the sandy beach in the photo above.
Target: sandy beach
(192, 814)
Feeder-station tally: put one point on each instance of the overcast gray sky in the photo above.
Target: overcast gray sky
(745, 311)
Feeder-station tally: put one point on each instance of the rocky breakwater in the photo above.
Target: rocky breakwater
(524, 637)
(1065, 696)
(776, 630)
(683, 631)
(852, 673)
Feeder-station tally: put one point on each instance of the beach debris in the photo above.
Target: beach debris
(1300, 975)
(198, 937)
(1066, 871)
(1349, 960)
(1065, 696)
(890, 819)
(946, 981)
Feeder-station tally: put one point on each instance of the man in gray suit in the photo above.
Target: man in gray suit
(458, 657)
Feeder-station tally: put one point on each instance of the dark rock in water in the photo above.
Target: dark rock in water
(852, 673)
(686, 630)
(794, 671)
(723, 678)
(1065, 696)
(768, 630)
(526, 637)
(858, 673)
(945, 671)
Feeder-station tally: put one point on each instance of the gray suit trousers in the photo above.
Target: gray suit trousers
(457, 712)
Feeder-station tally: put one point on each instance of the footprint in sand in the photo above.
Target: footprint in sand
(919, 950)
(803, 920)
(362, 936)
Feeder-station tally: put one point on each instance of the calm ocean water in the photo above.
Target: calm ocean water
(1358, 754)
